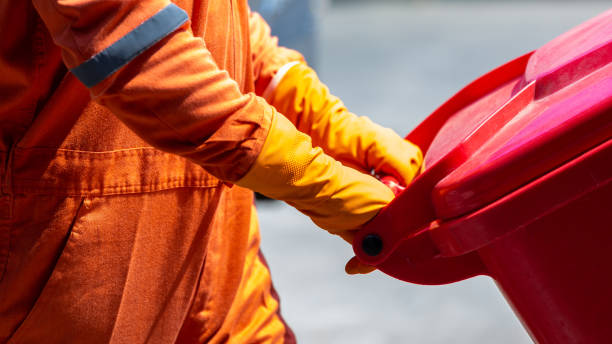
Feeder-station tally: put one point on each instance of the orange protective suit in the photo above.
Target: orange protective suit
(104, 238)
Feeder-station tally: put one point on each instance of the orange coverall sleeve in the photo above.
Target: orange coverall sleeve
(267, 56)
(167, 88)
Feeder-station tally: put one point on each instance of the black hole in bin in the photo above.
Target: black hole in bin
(372, 245)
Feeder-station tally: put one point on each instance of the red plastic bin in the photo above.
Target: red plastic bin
(518, 187)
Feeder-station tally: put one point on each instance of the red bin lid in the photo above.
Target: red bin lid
(558, 109)
(498, 148)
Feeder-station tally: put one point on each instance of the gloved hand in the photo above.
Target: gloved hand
(336, 198)
(355, 141)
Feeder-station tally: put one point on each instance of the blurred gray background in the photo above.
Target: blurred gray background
(396, 61)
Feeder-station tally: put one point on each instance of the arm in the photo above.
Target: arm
(140, 60)
(294, 89)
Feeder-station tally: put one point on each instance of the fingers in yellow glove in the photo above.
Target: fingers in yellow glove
(335, 197)
(355, 267)
(355, 141)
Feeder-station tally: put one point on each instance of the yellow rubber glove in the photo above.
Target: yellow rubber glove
(355, 141)
(336, 198)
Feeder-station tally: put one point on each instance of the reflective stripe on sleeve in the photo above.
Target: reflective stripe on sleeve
(108, 61)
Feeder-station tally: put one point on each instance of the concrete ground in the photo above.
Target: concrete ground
(396, 63)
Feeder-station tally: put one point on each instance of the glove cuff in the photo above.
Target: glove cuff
(334, 196)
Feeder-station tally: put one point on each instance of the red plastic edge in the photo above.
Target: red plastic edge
(409, 212)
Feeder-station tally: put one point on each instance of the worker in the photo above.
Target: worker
(132, 135)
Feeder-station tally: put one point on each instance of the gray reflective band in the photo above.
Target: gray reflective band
(108, 61)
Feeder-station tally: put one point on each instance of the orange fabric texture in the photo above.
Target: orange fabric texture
(178, 95)
(104, 238)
